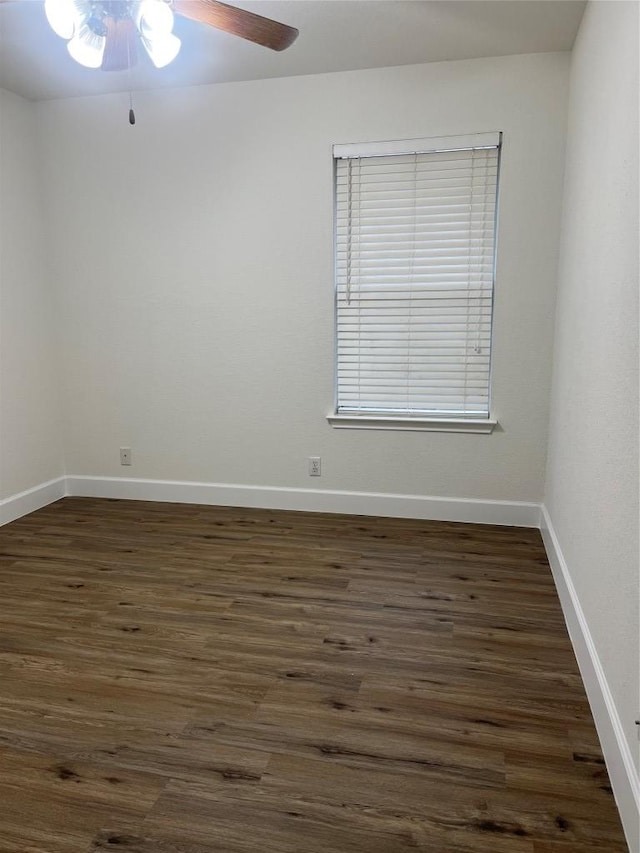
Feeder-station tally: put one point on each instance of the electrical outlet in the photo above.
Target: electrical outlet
(125, 456)
(315, 469)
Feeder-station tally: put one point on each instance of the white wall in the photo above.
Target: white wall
(592, 475)
(193, 257)
(30, 443)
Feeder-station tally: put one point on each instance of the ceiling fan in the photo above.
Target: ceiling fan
(106, 34)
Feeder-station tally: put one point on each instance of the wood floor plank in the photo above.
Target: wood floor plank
(49, 805)
(189, 679)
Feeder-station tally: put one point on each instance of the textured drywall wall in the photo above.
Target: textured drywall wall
(592, 477)
(193, 256)
(30, 440)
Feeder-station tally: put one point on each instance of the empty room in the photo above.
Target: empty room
(319, 466)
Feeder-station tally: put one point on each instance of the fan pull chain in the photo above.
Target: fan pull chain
(132, 115)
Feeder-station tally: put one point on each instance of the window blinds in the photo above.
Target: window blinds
(415, 238)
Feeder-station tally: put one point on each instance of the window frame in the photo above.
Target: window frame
(420, 422)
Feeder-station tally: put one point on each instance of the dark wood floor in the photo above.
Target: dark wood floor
(187, 679)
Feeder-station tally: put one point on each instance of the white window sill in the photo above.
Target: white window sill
(473, 425)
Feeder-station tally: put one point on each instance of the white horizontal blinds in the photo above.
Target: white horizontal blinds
(415, 255)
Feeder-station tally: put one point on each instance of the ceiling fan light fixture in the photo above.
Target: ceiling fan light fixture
(87, 48)
(62, 16)
(105, 33)
(162, 50)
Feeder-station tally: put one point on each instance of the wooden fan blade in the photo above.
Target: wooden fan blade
(238, 22)
(120, 49)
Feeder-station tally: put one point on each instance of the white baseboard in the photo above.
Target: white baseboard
(511, 513)
(16, 506)
(615, 746)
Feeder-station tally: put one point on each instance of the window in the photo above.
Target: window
(415, 246)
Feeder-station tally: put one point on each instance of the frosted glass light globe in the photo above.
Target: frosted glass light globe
(87, 48)
(162, 50)
(155, 18)
(62, 16)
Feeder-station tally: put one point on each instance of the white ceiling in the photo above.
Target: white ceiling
(335, 35)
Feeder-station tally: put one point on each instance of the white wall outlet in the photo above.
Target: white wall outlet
(315, 466)
(125, 456)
